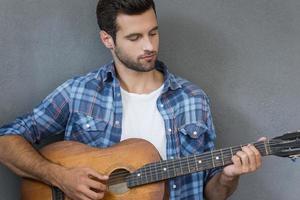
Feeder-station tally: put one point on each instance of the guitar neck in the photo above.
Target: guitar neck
(167, 169)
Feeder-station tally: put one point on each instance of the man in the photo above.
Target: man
(124, 99)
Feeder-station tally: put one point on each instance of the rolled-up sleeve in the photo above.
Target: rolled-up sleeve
(49, 117)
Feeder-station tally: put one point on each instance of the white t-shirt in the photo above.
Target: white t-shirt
(141, 119)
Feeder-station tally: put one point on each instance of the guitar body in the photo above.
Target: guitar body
(128, 155)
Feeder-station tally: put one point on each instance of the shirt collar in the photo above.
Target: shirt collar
(108, 72)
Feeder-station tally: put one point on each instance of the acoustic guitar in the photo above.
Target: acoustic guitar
(135, 169)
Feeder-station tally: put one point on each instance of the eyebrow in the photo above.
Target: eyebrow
(139, 34)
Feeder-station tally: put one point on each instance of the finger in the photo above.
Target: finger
(262, 139)
(97, 175)
(92, 195)
(96, 185)
(257, 156)
(251, 157)
(245, 161)
(84, 197)
(81, 194)
(237, 161)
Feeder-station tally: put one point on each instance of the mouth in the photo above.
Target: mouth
(148, 58)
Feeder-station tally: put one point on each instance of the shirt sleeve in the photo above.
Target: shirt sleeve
(49, 117)
(210, 144)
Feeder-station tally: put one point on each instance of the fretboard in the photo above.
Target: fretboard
(167, 169)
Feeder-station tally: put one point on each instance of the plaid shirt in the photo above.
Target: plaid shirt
(88, 109)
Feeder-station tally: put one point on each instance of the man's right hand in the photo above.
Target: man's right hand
(77, 183)
(82, 184)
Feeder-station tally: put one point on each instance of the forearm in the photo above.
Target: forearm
(220, 187)
(19, 156)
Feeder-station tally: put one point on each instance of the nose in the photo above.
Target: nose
(147, 44)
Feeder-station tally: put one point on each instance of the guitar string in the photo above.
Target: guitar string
(184, 164)
(158, 175)
(189, 162)
(208, 154)
(164, 164)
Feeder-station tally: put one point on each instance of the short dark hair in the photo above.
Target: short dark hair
(107, 11)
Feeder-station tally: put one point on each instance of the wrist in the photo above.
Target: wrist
(54, 174)
(225, 178)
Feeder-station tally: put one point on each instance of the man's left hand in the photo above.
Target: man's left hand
(245, 161)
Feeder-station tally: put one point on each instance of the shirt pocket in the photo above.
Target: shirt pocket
(191, 136)
(87, 129)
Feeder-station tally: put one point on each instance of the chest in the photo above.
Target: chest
(97, 120)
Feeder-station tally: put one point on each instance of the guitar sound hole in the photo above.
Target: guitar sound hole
(117, 181)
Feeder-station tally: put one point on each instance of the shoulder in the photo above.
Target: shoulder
(189, 89)
(91, 79)
(86, 78)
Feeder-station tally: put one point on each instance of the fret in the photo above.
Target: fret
(141, 176)
(192, 164)
(188, 164)
(178, 167)
(146, 175)
(218, 159)
(267, 153)
(213, 160)
(180, 164)
(164, 171)
(270, 151)
(222, 156)
(196, 162)
(200, 161)
(138, 177)
(151, 173)
(174, 167)
(226, 154)
(156, 171)
(169, 171)
(231, 152)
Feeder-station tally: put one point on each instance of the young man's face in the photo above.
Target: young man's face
(137, 40)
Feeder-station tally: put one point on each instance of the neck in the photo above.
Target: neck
(138, 82)
(166, 169)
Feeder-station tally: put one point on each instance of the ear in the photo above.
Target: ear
(107, 40)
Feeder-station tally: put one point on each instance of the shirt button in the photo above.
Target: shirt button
(170, 130)
(117, 122)
(87, 126)
(118, 94)
(174, 186)
(172, 157)
(161, 105)
(195, 133)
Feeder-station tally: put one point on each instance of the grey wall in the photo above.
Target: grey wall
(243, 53)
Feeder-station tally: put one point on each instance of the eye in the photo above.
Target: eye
(153, 33)
(133, 38)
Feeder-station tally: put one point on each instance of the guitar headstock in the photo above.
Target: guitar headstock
(287, 145)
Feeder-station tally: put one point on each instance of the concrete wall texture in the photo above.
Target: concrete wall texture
(244, 54)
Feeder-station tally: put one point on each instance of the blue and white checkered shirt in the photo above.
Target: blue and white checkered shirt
(88, 109)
